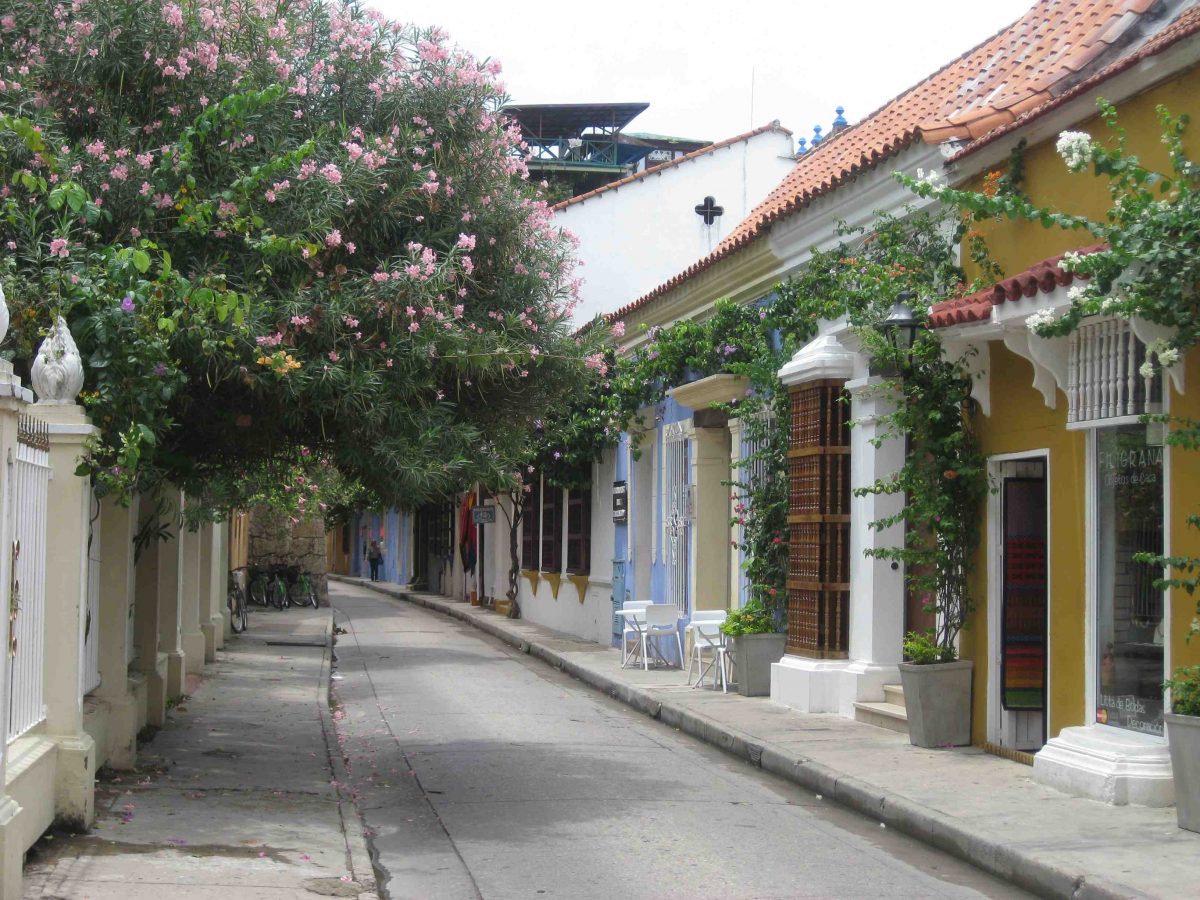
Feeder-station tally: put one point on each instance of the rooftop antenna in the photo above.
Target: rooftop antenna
(752, 97)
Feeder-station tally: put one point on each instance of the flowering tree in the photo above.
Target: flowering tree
(279, 225)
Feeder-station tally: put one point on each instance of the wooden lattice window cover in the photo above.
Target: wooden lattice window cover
(819, 521)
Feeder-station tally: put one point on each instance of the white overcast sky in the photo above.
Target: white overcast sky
(694, 62)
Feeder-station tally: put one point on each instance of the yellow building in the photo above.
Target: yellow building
(1071, 640)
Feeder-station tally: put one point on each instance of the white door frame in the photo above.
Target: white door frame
(995, 592)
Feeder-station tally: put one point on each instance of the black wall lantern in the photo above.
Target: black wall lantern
(900, 327)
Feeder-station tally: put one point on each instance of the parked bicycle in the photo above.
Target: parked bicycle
(301, 591)
(239, 615)
(268, 586)
(282, 586)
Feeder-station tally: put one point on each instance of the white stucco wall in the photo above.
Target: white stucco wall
(636, 236)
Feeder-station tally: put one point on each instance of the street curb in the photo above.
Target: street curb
(924, 823)
(356, 842)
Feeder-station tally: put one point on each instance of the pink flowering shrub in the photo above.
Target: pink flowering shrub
(256, 177)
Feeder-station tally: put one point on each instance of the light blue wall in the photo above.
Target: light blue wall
(397, 540)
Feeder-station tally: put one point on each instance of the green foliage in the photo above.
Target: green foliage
(753, 618)
(922, 648)
(1185, 691)
(860, 279)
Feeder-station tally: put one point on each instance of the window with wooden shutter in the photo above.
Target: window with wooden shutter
(819, 522)
(579, 531)
(552, 528)
(531, 507)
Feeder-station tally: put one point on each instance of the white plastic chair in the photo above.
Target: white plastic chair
(631, 634)
(662, 620)
(705, 628)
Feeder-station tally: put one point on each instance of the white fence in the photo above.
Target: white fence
(27, 591)
(89, 672)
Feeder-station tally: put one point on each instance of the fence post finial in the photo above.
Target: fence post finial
(3, 315)
(58, 368)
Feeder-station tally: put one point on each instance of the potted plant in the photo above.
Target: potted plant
(937, 692)
(757, 643)
(1183, 735)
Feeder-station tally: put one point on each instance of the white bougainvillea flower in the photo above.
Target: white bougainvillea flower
(1075, 147)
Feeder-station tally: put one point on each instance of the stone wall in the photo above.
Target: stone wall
(275, 541)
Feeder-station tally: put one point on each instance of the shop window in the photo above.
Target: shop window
(530, 524)
(551, 528)
(579, 531)
(1129, 626)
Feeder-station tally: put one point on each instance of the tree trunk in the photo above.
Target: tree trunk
(514, 571)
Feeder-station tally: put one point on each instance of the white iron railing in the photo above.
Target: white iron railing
(1103, 380)
(89, 672)
(27, 590)
(677, 513)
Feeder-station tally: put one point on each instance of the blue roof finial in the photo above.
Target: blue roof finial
(816, 138)
(840, 121)
(803, 147)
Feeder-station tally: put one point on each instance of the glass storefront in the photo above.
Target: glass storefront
(1129, 520)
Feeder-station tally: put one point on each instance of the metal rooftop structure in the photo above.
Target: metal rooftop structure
(578, 137)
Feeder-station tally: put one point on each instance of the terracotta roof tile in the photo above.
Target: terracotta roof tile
(1185, 26)
(1043, 277)
(654, 170)
(986, 88)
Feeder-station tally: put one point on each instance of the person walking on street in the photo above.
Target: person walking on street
(375, 557)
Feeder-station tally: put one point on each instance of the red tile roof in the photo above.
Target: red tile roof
(1016, 70)
(1045, 277)
(1186, 25)
(654, 170)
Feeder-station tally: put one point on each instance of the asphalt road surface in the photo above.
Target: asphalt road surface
(480, 772)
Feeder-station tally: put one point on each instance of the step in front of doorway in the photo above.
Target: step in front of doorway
(890, 714)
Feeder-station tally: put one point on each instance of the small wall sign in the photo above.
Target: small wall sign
(483, 515)
(620, 502)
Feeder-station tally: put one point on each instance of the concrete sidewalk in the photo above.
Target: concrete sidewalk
(979, 807)
(236, 796)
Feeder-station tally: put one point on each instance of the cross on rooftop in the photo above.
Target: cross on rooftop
(708, 210)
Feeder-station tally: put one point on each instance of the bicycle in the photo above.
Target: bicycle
(239, 616)
(269, 586)
(301, 591)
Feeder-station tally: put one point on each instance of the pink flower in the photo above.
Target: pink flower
(413, 326)
(333, 239)
(59, 247)
(173, 15)
(466, 241)
(333, 356)
(618, 329)
(331, 173)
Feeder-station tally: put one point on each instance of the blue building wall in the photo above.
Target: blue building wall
(392, 529)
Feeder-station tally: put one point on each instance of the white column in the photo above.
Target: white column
(218, 563)
(191, 585)
(118, 524)
(69, 509)
(170, 592)
(151, 658)
(710, 518)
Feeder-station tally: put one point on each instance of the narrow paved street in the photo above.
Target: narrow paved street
(481, 772)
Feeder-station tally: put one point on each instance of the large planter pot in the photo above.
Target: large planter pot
(938, 702)
(1183, 736)
(752, 658)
